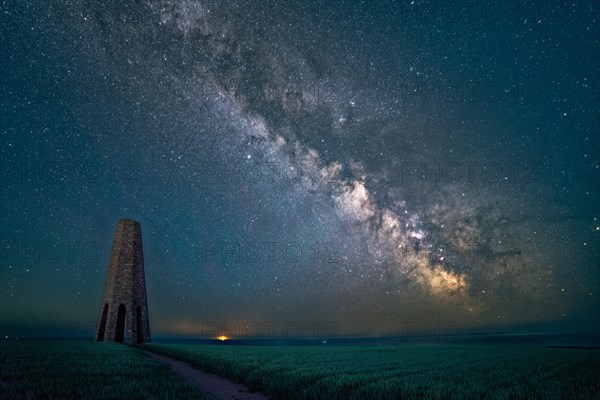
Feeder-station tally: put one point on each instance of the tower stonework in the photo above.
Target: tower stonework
(123, 315)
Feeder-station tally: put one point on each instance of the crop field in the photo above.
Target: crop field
(84, 370)
(396, 372)
(88, 370)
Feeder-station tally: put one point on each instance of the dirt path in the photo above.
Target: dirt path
(214, 385)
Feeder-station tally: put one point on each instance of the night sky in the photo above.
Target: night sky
(372, 165)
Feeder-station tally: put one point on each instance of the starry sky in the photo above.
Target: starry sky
(358, 166)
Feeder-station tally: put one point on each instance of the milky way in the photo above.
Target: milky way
(370, 166)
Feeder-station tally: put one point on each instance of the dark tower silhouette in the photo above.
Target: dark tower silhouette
(124, 308)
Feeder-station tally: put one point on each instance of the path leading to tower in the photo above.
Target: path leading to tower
(211, 384)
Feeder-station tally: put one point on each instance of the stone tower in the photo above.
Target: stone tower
(123, 315)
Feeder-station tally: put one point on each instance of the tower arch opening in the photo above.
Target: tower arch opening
(120, 331)
(102, 326)
(139, 325)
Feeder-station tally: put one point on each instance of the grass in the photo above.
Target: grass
(89, 370)
(397, 372)
(85, 370)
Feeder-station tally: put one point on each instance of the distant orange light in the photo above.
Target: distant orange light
(222, 338)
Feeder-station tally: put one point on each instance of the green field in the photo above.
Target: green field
(90, 370)
(397, 372)
(84, 370)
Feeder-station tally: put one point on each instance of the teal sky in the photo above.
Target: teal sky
(360, 168)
